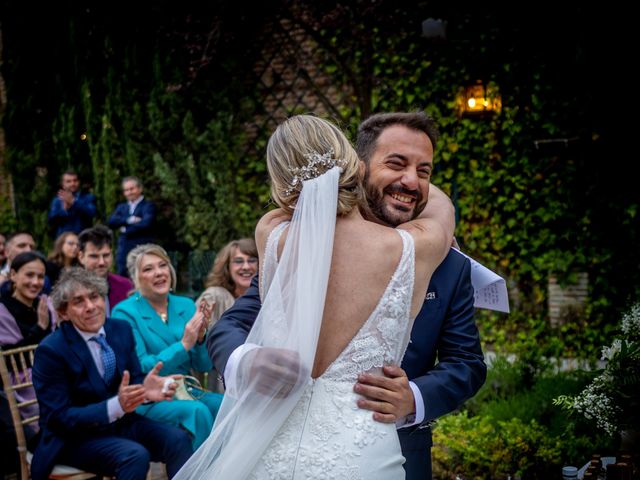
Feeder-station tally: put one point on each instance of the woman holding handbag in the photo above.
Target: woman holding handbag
(170, 329)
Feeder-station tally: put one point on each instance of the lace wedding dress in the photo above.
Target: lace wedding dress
(327, 436)
(275, 421)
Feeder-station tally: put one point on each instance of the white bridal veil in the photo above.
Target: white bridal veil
(289, 322)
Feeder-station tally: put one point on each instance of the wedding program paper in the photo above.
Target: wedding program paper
(490, 289)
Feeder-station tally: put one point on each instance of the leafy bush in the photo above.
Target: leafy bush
(511, 426)
(198, 178)
(482, 447)
(611, 400)
(525, 208)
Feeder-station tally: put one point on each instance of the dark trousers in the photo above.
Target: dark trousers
(125, 448)
(416, 448)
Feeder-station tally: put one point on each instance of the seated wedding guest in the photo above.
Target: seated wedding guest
(231, 274)
(89, 382)
(25, 316)
(234, 267)
(96, 256)
(16, 243)
(170, 329)
(63, 255)
(9, 334)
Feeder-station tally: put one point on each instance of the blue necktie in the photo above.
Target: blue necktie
(108, 358)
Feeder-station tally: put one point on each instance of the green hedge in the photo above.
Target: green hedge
(524, 211)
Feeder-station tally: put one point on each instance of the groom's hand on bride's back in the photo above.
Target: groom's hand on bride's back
(390, 398)
(275, 371)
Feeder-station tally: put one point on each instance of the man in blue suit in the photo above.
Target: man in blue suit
(88, 383)
(71, 210)
(419, 391)
(135, 219)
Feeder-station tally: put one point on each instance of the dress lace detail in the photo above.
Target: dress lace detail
(327, 436)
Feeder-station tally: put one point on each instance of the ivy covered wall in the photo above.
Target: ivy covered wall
(171, 93)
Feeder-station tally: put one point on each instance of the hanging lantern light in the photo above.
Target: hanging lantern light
(479, 98)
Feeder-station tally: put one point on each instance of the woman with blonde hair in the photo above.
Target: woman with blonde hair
(339, 297)
(168, 328)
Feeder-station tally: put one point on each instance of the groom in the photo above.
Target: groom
(419, 391)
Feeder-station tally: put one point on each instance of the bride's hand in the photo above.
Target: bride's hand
(274, 371)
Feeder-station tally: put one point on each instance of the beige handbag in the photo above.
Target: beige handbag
(189, 388)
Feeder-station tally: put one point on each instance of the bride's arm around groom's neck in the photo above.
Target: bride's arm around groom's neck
(435, 225)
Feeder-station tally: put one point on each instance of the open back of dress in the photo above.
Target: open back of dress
(327, 435)
(311, 428)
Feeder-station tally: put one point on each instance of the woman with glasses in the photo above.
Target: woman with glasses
(233, 269)
(169, 328)
(231, 274)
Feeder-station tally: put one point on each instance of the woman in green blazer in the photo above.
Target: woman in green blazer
(168, 328)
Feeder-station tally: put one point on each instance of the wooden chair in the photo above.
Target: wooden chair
(18, 361)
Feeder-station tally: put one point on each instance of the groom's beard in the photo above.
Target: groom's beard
(388, 214)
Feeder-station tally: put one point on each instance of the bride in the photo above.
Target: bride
(339, 295)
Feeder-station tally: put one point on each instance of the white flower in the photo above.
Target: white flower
(631, 322)
(596, 405)
(610, 401)
(609, 352)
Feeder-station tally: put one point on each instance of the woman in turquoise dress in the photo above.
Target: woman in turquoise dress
(168, 328)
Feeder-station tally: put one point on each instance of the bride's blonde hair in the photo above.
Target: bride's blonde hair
(289, 151)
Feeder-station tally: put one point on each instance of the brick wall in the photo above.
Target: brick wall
(567, 301)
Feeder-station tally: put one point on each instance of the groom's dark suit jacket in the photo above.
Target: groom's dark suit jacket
(444, 330)
(71, 393)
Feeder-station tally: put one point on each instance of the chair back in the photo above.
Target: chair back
(15, 370)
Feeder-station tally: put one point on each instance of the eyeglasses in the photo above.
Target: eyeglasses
(240, 261)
